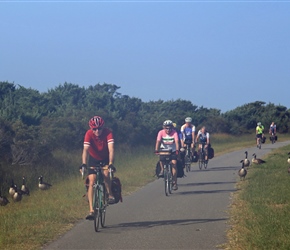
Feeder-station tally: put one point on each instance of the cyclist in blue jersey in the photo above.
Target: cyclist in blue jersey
(203, 138)
(188, 134)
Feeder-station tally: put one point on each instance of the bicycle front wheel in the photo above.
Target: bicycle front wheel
(96, 205)
(166, 182)
(170, 182)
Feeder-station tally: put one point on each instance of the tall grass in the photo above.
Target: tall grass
(260, 211)
(44, 215)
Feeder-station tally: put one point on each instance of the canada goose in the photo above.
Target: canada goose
(43, 185)
(288, 158)
(24, 188)
(12, 188)
(3, 200)
(242, 172)
(257, 160)
(247, 162)
(18, 194)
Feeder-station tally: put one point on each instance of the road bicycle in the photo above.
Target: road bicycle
(201, 158)
(273, 138)
(187, 157)
(100, 197)
(165, 157)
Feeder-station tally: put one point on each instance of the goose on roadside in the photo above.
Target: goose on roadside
(288, 160)
(257, 160)
(24, 188)
(242, 172)
(18, 194)
(3, 200)
(43, 185)
(247, 162)
(12, 188)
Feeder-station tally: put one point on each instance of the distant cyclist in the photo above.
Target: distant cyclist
(259, 132)
(272, 129)
(167, 139)
(188, 134)
(203, 138)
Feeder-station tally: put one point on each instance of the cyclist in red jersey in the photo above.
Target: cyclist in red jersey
(98, 148)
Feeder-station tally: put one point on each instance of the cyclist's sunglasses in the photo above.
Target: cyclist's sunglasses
(168, 128)
(95, 129)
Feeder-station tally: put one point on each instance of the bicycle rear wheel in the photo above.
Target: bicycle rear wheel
(103, 206)
(200, 160)
(96, 206)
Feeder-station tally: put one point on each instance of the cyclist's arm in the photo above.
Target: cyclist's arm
(157, 145)
(197, 137)
(85, 154)
(176, 141)
(207, 140)
(193, 136)
(111, 153)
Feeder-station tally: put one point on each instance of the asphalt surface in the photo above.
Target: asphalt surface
(193, 217)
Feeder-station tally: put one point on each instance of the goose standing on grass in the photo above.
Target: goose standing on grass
(3, 200)
(24, 188)
(242, 172)
(247, 162)
(43, 185)
(257, 160)
(289, 163)
(18, 194)
(12, 188)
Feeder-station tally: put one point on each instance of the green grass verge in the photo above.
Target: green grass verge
(45, 215)
(260, 217)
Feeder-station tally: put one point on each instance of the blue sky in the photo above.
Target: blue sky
(216, 54)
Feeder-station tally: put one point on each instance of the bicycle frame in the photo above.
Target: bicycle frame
(165, 158)
(273, 137)
(99, 199)
(187, 157)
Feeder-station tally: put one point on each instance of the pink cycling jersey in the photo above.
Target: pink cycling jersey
(167, 140)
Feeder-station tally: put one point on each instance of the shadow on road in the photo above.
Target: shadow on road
(149, 224)
(217, 169)
(206, 192)
(207, 183)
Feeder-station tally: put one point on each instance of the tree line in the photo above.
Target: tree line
(33, 124)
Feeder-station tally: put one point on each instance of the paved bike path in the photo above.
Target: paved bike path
(193, 217)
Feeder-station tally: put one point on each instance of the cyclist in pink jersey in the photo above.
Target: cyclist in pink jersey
(167, 139)
(98, 149)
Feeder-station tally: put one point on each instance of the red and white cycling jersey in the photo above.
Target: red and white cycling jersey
(98, 145)
(167, 140)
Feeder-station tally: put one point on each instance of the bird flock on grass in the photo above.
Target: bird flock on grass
(246, 163)
(17, 193)
(257, 161)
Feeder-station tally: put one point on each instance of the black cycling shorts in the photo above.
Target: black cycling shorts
(95, 163)
(259, 136)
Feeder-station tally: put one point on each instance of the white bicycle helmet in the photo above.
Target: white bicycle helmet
(188, 119)
(168, 123)
(259, 124)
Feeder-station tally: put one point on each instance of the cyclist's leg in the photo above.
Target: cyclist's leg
(107, 182)
(174, 170)
(92, 179)
(258, 137)
(205, 152)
